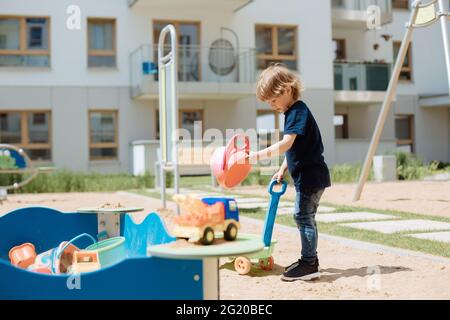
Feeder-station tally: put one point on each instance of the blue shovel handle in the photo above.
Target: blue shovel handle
(272, 211)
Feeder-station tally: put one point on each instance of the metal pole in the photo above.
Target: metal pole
(163, 62)
(174, 100)
(443, 16)
(390, 94)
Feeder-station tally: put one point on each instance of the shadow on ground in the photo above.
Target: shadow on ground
(333, 274)
(327, 275)
(255, 271)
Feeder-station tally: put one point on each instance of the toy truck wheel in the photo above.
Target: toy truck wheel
(242, 265)
(266, 264)
(208, 236)
(231, 233)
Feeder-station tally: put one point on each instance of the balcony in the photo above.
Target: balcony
(203, 73)
(224, 5)
(353, 13)
(361, 81)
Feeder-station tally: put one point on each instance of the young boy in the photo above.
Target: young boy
(303, 146)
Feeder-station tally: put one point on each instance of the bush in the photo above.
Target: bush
(68, 181)
(347, 173)
(410, 167)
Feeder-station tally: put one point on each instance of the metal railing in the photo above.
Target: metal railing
(362, 5)
(361, 76)
(195, 64)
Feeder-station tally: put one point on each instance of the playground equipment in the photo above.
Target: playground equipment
(243, 264)
(229, 164)
(15, 161)
(201, 218)
(422, 15)
(110, 219)
(154, 266)
(168, 111)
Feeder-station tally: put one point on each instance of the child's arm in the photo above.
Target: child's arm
(274, 150)
(280, 174)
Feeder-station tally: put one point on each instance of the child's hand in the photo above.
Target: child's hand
(279, 176)
(252, 157)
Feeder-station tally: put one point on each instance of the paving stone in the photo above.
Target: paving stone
(264, 205)
(435, 236)
(252, 200)
(324, 209)
(352, 216)
(400, 225)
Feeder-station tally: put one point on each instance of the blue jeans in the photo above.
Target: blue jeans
(306, 204)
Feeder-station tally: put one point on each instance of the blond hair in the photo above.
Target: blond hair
(274, 81)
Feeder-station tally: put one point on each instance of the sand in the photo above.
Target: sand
(423, 197)
(347, 272)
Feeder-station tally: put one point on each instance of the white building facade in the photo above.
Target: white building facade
(83, 96)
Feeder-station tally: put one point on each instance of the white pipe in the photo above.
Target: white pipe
(443, 16)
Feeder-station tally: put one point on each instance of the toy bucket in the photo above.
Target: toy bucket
(23, 256)
(229, 164)
(110, 251)
(59, 259)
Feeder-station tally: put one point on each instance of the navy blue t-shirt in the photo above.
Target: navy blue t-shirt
(305, 160)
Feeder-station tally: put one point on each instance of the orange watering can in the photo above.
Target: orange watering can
(229, 164)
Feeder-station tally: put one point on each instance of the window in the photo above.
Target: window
(400, 4)
(24, 41)
(189, 67)
(186, 120)
(30, 130)
(269, 125)
(404, 132)
(339, 51)
(406, 72)
(276, 44)
(341, 126)
(101, 43)
(103, 135)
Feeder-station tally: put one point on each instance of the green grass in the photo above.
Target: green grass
(69, 181)
(195, 181)
(398, 240)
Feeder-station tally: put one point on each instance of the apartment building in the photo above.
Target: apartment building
(84, 97)
(419, 120)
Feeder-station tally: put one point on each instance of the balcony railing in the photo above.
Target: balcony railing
(354, 13)
(195, 64)
(362, 5)
(360, 76)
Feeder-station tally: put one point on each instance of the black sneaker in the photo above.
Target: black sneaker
(296, 263)
(301, 270)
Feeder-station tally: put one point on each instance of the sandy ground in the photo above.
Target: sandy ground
(423, 197)
(347, 272)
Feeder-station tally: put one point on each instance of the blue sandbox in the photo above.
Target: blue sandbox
(136, 277)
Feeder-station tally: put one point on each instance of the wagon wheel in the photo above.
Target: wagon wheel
(242, 265)
(208, 236)
(231, 233)
(266, 264)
